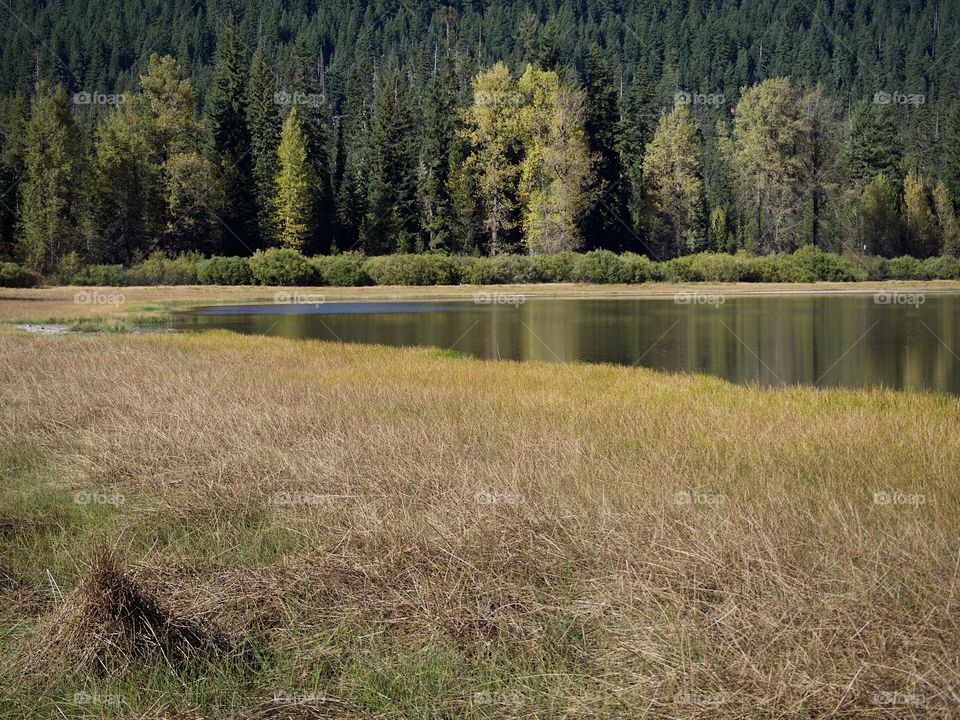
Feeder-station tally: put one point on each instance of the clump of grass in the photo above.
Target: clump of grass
(110, 621)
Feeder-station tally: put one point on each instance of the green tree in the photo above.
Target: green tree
(635, 130)
(555, 168)
(263, 121)
(230, 149)
(291, 200)
(52, 181)
(391, 222)
(673, 169)
(492, 127)
(918, 218)
(880, 227)
(440, 129)
(767, 132)
(948, 227)
(603, 224)
(14, 116)
(875, 145)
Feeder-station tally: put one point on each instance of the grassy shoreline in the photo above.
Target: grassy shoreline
(327, 530)
(145, 304)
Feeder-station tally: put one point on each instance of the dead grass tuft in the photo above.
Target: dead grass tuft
(110, 621)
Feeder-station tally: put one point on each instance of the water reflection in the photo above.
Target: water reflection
(821, 340)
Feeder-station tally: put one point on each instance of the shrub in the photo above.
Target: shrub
(942, 268)
(719, 267)
(281, 266)
(99, 275)
(14, 276)
(778, 268)
(344, 270)
(412, 270)
(639, 269)
(158, 269)
(599, 266)
(559, 268)
(224, 271)
(830, 267)
(679, 269)
(905, 268)
(876, 267)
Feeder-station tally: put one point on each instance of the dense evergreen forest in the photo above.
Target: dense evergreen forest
(653, 126)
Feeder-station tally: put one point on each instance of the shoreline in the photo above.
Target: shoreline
(56, 305)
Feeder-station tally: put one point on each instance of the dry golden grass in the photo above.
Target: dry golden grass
(398, 531)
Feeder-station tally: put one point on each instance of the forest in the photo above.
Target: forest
(658, 128)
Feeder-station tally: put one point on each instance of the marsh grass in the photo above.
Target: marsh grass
(384, 532)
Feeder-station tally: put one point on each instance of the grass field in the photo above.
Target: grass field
(233, 526)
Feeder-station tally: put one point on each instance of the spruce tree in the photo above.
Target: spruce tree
(440, 127)
(226, 117)
(52, 184)
(874, 144)
(637, 125)
(391, 221)
(263, 121)
(603, 225)
(309, 94)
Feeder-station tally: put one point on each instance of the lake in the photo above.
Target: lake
(902, 340)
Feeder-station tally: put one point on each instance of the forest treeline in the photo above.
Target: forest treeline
(663, 129)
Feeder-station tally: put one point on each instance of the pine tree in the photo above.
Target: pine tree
(604, 223)
(637, 125)
(391, 222)
(263, 121)
(874, 144)
(309, 94)
(51, 188)
(291, 200)
(230, 149)
(14, 116)
(440, 130)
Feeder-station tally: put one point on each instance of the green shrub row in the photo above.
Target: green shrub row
(288, 267)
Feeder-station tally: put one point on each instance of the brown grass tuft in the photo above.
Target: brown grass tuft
(110, 621)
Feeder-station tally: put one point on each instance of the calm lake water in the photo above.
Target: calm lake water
(902, 341)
